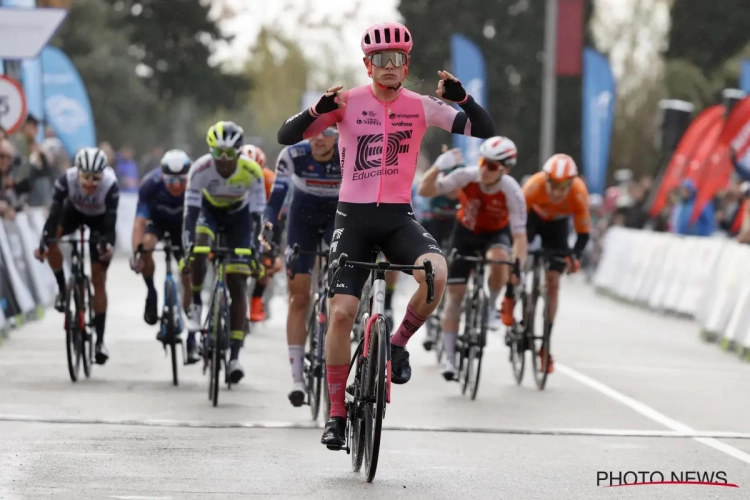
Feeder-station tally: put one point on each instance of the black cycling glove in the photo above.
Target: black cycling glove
(454, 91)
(326, 104)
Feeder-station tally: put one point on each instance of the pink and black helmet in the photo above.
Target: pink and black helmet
(386, 36)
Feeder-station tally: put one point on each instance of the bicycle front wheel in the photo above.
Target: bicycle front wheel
(87, 315)
(313, 370)
(217, 338)
(517, 346)
(476, 350)
(376, 376)
(73, 345)
(540, 340)
(170, 305)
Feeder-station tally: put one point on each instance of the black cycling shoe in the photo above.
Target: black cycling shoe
(101, 353)
(150, 315)
(334, 435)
(193, 356)
(401, 369)
(60, 302)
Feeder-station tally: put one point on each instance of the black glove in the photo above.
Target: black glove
(326, 104)
(453, 91)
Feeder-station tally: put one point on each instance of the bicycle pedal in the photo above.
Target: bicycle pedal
(334, 448)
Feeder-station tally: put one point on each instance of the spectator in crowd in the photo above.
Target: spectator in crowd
(151, 160)
(705, 225)
(10, 189)
(127, 170)
(34, 163)
(3, 133)
(56, 153)
(109, 151)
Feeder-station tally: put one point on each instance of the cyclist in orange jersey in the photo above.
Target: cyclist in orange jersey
(553, 196)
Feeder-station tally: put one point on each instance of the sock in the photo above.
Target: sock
(336, 376)
(197, 300)
(494, 294)
(60, 277)
(389, 295)
(296, 358)
(234, 347)
(99, 320)
(409, 326)
(259, 290)
(449, 345)
(150, 285)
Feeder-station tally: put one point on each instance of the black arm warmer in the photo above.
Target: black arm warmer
(293, 130)
(578, 248)
(50, 227)
(257, 222)
(110, 216)
(188, 229)
(482, 125)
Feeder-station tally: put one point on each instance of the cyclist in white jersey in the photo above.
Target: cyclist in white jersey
(87, 194)
(225, 194)
(381, 128)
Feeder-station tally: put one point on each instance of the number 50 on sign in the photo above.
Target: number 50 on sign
(12, 104)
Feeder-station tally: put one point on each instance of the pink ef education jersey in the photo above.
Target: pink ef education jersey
(374, 169)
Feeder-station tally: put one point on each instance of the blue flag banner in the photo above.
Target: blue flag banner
(66, 102)
(31, 77)
(745, 76)
(599, 98)
(469, 67)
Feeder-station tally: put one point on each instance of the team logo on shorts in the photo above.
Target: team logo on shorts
(337, 234)
(429, 236)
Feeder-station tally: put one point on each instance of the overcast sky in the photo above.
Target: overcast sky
(359, 14)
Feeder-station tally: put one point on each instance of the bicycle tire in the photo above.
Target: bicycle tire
(313, 380)
(356, 427)
(542, 373)
(87, 343)
(463, 346)
(439, 348)
(376, 376)
(518, 343)
(170, 301)
(71, 333)
(215, 334)
(476, 353)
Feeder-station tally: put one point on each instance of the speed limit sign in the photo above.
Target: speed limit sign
(12, 104)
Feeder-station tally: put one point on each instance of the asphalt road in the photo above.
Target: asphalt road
(632, 391)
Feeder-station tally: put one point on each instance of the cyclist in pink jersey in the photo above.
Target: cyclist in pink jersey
(380, 133)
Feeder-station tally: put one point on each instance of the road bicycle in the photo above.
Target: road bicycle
(215, 332)
(170, 322)
(529, 334)
(367, 397)
(476, 308)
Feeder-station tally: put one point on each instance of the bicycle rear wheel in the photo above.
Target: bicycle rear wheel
(376, 377)
(355, 413)
(73, 345)
(170, 303)
(463, 346)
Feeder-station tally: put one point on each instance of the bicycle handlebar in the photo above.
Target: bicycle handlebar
(222, 251)
(515, 265)
(296, 252)
(544, 252)
(343, 261)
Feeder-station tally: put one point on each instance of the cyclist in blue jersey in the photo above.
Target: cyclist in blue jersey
(161, 199)
(312, 170)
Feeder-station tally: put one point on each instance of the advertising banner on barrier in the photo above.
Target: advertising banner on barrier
(469, 67)
(125, 221)
(599, 98)
(677, 164)
(21, 292)
(41, 275)
(66, 101)
(735, 135)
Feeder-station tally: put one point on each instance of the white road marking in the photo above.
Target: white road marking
(193, 424)
(651, 414)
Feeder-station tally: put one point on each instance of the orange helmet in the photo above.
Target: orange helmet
(254, 153)
(560, 168)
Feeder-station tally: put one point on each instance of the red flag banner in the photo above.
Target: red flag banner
(569, 37)
(676, 169)
(697, 165)
(718, 171)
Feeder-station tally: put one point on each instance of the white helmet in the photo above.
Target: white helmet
(91, 160)
(596, 200)
(175, 162)
(499, 149)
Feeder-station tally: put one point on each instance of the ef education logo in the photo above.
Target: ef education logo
(610, 479)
